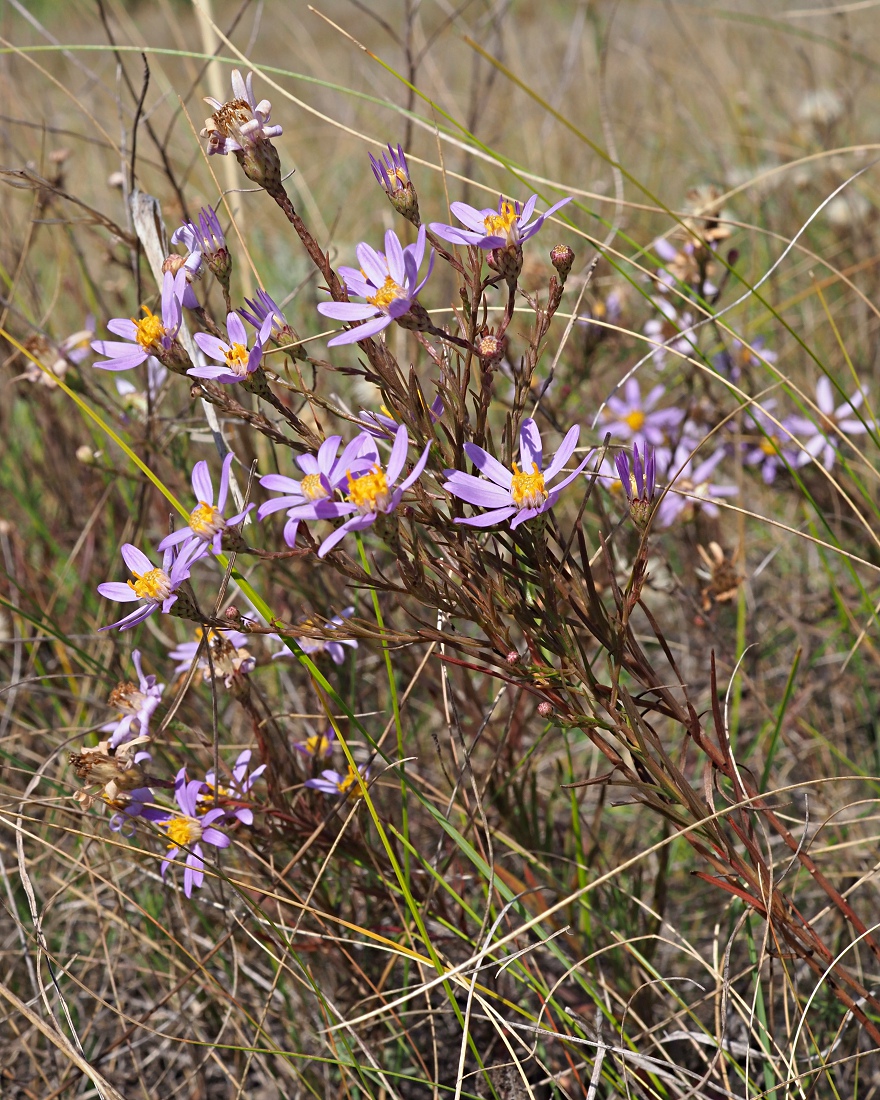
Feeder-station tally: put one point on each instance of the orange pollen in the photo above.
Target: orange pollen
(370, 492)
(150, 329)
(154, 585)
(313, 487)
(389, 292)
(205, 520)
(527, 490)
(500, 225)
(635, 419)
(237, 359)
(182, 831)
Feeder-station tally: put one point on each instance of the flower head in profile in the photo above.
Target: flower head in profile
(229, 655)
(239, 361)
(326, 479)
(261, 307)
(506, 226)
(668, 332)
(692, 488)
(189, 830)
(206, 523)
(331, 646)
(834, 424)
(635, 418)
(389, 284)
(518, 494)
(392, 172)
(137, 702)
(352, 784)
(152, 587)
(372, 493)
(203, 240)
(152, 335)
(639, 481)
(236, 788)
(318, 745)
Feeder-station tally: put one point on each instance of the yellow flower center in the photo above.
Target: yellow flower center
(499, 225)
(388, 293)
(635, 419)
(370, 492)
(237, 359)
(317, 744)
(353, 784)
(313, 487)
(153, 585)
(769, 446)
(150, 329)
(527, 490)
(205, 520)
(183, 831)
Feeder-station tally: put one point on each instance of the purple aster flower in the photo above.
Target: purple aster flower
(206, 522)
(190, 830)
(238, 789)
(314, 497)
(392, 172)
(152, 335)
(508, 226)
(241, 123)
(691, 488)
(639, 482)
(383, 426)
(239, 361)
(515, 495)
(834, 424)
(260, 308)
(353, 784)
(334, 649)
(630, 417)
(135, 804)
(205, 237)
(318, 744)
(774, 450)
(137, 702)
(372, 494)
(227, 647)
(155, 587)
(388, 283)
(743, 357)
(666, 332)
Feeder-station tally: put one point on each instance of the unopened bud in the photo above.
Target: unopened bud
(562, 257)
(507, 262)
(545, 709)
(232, 614)
(512, 657)
(86, 455)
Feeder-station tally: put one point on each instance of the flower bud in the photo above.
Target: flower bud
(545, 709)
(562, 257)
(491, 349)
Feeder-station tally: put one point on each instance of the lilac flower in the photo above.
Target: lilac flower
(774, 450)
(190, 830)
(262, 307)
(514, 495)
(150, 336)
(353, 784)
(241, 123)
(206, 522)
(333, 649)
(156, 587)
(372, 494)
(388, 283)
(326, 476)
(666, 332)
(392, 172)
(238, 789)
(135, 804)
(694, 482)
(318, 744)
(239, 362)
(743, 357)
(137, 702)
(632, 418)
(834, 423)
(508, 226)
(383, 426)
(639, 481)
(228, 652)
